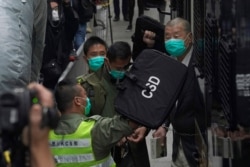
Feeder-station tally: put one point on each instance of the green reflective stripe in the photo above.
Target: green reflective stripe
(70, 143)
(74, 158)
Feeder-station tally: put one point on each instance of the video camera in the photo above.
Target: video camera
(14, 116)
(14, 111)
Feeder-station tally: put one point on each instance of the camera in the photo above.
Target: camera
(14, 111)
(15, 108)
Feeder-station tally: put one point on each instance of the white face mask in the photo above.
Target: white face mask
(55, 14)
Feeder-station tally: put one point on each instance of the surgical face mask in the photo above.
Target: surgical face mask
(117, 74)
(55, 14)
(87, 108)
(95, 63)
(175, 47)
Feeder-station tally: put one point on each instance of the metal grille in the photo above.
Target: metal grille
(198, 32)
(210, 53)
(226, 79)
(209, 64)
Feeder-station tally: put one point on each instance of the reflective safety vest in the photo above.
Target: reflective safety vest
(75, 149)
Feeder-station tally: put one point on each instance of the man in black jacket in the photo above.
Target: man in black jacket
(189, 107)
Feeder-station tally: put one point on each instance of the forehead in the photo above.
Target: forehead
(120, 62)
(96, 49)
(175, 29)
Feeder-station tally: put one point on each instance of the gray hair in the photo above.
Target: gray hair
(186, 25)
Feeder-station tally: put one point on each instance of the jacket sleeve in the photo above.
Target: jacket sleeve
(106, 133)
(38, 40)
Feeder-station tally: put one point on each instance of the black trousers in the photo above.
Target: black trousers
(140, 5)
(117, 8)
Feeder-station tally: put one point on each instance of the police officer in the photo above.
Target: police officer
(84, 141)
(101, 87)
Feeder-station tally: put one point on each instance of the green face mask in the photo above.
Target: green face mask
(117, 74)
(95, 63)
(175, 47)
(87, 108)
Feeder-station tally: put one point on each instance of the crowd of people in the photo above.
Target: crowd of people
(90, 132)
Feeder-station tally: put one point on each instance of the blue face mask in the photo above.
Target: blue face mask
(117, 74)
(95, 63)
(87, 108)
(175, 47)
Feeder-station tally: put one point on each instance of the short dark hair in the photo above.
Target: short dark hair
(65, 91)
(119, 50)
(93, 40)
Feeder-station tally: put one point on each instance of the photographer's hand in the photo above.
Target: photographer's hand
(44, 95)
(35, 136)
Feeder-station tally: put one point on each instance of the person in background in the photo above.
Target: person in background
(131, 7)
(84, 141)
(22, 27)
(85, 10)
(116, 4)
(62, 25)
(189, 107)
(145, 7)
(162, 9)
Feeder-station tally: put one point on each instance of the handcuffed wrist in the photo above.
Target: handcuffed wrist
(164, 126)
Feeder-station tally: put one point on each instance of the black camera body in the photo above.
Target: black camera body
(15, 107)
(14, 116)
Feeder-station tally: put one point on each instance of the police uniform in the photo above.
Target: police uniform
(81, 141)
(101, 90)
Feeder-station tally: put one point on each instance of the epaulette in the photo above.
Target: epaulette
(80, 79)
(83, 78)
(95, 117)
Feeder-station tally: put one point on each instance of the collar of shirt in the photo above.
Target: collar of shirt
(187, 58)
